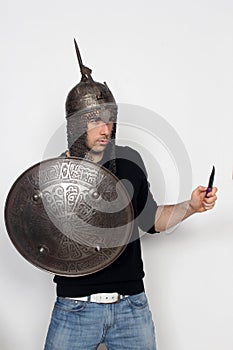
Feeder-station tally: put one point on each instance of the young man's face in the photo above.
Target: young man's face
(98, 135)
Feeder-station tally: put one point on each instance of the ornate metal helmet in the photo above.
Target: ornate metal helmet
(88, 100)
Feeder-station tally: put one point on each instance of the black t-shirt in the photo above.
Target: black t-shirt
(125, 274)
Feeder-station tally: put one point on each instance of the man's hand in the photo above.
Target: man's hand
(199, 202)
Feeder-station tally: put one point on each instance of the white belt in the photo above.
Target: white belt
(102, 298)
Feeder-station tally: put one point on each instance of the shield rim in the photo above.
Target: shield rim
(14, 241)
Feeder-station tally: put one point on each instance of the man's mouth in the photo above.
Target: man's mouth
(103, 141)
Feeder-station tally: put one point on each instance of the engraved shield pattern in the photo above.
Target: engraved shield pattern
(69, 216)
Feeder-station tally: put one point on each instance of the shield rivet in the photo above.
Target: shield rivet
(36, 197)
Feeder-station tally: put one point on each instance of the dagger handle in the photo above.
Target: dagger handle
(209, 189)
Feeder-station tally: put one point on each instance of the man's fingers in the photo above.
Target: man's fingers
(201, 188)
(208, 206)
(212, 192)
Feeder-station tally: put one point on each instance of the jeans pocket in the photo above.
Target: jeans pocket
(138, 301)
(67, 304)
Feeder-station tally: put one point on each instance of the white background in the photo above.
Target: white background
(172, 57)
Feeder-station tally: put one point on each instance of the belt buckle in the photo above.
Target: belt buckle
(107, 298)
(118, 298)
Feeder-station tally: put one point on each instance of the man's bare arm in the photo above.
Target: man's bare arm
(171, 215)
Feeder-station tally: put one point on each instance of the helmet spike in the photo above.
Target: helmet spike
(85, 71)
(78, 54)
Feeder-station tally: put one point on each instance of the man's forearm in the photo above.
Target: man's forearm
(171, 215)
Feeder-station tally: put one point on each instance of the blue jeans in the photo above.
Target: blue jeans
(80, 325)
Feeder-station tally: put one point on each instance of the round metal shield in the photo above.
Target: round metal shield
(69, 216)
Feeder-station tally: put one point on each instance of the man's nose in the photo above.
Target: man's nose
(104, 129)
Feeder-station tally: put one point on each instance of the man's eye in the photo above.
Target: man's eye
(95, 120)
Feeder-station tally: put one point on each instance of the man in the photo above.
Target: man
(110, 305)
